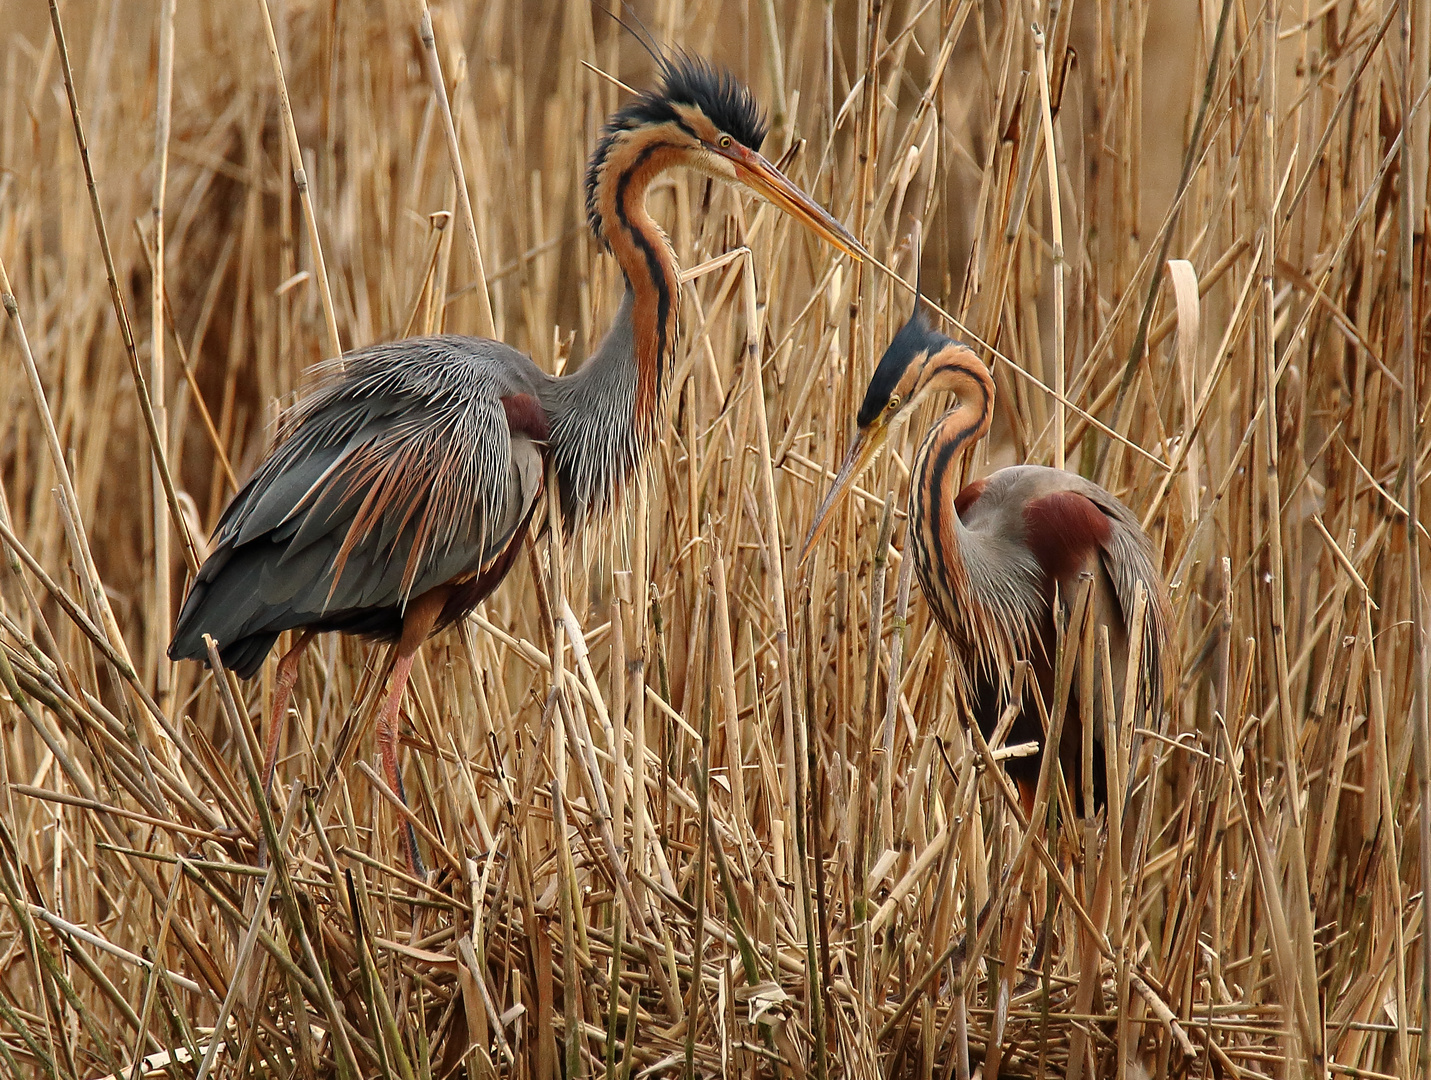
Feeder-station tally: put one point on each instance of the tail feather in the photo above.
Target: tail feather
(245, 656)
(228, 608)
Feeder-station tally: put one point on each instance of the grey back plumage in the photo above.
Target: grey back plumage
(396, 473)
(1006, 579)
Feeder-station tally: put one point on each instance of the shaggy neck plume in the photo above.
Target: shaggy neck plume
(622, 170)
(606, 415)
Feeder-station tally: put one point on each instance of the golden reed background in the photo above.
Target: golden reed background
(829, 883)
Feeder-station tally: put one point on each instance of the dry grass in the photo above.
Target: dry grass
(796, 811)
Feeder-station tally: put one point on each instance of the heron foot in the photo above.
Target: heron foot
(234, 840)
(415, 865)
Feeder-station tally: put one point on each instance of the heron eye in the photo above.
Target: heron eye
(893, 402)
(725, 141)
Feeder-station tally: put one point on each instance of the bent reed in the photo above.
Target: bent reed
(694, 812)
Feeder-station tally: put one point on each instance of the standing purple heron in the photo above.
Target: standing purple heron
(992, 557)
(402, 485)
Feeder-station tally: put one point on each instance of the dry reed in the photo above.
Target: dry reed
(694, 813)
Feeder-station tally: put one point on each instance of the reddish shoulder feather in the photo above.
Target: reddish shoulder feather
(968, 497)
(1063, 528)
(526, 416)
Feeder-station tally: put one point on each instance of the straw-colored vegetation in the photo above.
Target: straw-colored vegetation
(739, 770)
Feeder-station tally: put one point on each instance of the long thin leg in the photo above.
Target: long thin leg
(417, 623)
(1008, 971)
(287, 677)
(1026, 798)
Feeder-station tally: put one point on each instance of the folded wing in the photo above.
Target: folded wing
(390, 479)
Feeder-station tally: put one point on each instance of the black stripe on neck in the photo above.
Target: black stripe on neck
(655, 264)
(937, 472)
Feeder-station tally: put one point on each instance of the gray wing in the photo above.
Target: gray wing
(397, 473)
(1129, 560)
(1126, 558)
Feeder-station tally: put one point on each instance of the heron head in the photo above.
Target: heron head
(919, 361)
(705, 119)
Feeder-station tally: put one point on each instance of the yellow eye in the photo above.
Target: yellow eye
(893, 402)
(725, 141)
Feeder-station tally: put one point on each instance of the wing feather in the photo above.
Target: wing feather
(397, 473)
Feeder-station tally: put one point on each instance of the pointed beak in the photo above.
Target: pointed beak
(862, 453)
(767, 181)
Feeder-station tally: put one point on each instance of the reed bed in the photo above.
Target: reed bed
(695, 810)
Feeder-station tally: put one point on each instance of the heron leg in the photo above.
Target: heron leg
(418, 621)
(282, 691)
(1027, 790)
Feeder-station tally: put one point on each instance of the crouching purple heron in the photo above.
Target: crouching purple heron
(401, 487)
(992, 557)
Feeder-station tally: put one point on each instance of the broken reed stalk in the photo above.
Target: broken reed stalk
(1420, 717)
(578, 849)
(485, 325)
(1050, 155)
(159, 514)
(1305, 987)
(300, 184)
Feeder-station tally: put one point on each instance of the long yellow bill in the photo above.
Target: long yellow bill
(766, 180)
(862, 453)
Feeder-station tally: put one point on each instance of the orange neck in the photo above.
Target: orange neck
(644, 253)
(937, 528)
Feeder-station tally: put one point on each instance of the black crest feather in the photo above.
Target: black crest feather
(914, 337)
(685, 80)
(690, 80)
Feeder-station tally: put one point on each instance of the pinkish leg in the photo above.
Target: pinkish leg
(418, 622)
(287, 677)
(387, 745)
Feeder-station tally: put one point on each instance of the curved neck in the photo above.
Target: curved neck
(933, 496)
(605, 415)
(958, 429)
(628, 163)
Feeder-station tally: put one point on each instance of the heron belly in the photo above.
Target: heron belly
(988, 702)
(467, 593)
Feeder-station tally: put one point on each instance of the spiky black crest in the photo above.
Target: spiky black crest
(690, 80)
(685, 80)
(914, 337)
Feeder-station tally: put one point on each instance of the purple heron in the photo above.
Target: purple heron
(402, 485)
(991, 558)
